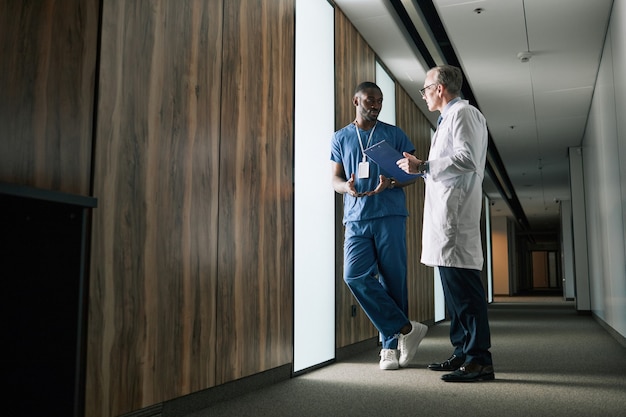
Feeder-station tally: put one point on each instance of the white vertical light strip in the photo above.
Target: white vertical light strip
(314, 210)
(440, 302)
(567, 250)
(579, 230)
(388, 87)
(488, 255)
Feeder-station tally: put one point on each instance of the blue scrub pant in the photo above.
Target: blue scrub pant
(375, 271)
(467, 307)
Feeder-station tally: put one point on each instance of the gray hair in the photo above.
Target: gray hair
(451, 77)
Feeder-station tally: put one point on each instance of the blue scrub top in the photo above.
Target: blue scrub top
(345, 149)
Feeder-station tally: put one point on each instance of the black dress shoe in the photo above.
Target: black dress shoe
(470, 372)
(451, 364)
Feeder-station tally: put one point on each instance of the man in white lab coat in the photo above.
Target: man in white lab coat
(451, 238)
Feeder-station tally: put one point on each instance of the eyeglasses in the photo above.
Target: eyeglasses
(423, 90)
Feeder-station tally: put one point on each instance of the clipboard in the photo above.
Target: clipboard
(386, 157)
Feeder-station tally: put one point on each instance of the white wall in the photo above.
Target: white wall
(604, 167)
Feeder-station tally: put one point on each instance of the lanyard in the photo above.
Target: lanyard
(368, 139)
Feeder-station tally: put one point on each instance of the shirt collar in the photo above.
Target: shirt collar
(450, 104)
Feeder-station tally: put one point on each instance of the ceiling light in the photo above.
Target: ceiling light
(524, 56)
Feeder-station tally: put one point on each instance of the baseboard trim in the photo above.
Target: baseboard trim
(617, 336)
(152, 411)
(200, 400)
(347, 352)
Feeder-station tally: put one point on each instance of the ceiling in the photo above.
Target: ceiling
(535, 110)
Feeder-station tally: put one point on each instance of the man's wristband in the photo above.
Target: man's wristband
(422, 168)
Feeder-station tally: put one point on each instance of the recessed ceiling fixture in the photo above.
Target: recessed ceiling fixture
(524, 56)
(479, 10)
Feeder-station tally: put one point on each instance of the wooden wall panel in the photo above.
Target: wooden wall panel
(192, 240)
(154, 249)
(420, 282)
(255, 276)
(355, 62)
(48, 51)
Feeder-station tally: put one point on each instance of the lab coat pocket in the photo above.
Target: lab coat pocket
(445, 207)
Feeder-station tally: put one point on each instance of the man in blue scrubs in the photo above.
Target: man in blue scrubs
(374, 216)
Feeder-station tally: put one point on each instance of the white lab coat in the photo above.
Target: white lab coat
(453, 203)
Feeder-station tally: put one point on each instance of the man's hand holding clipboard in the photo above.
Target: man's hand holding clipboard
(386, 157)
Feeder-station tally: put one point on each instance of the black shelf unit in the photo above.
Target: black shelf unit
(44, 251)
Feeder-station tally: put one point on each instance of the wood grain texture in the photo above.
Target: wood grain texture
(192, 240)
(48, 51)
(255, 276)
(355, 62)
(420, 277)
(154, 251)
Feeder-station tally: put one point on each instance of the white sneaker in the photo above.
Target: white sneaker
(388, 359)
(408, 343)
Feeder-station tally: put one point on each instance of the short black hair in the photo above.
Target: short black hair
(365, 85)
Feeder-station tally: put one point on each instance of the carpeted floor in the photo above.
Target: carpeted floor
(549, 361)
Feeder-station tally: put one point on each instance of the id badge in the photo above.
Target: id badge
(364, 169)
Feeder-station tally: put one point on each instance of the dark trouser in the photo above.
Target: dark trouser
(467, 307)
